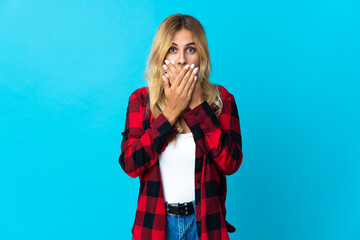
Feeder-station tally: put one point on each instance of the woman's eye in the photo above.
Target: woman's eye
(190, 50)
(193, 50)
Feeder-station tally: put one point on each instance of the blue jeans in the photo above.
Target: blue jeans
(181, 227)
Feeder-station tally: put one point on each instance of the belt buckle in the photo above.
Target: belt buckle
(182, 208)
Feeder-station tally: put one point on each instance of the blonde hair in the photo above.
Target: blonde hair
(159, 49)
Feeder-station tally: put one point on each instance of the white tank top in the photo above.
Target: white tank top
(177, 167)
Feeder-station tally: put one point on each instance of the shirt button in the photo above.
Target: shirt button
(198, 181)
(196, 114)
(207, 135)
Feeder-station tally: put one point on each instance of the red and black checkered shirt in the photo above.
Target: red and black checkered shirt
(218, 153)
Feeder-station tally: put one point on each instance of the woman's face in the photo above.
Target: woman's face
(183, 50)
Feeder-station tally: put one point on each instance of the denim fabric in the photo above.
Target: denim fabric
(181, 227)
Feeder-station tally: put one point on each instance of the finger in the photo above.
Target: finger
(193, 84)
(190, 81)
(170, 74)
(188, 75)
(177, 67)
(171, 64)
(180, 76)
(166, 83)
(169, 70)
(173, 68)
(188, 85)
(170, 78)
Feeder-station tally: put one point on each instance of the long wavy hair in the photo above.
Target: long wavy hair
(154, 70)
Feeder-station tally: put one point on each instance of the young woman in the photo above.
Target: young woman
(182, 137)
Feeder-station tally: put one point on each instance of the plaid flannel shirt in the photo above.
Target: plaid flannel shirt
(218, 153)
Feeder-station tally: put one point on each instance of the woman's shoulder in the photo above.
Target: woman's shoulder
(223, 91)
(140, 91)
(140, 94)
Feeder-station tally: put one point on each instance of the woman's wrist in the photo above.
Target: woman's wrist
(195, 103)
(171, 116)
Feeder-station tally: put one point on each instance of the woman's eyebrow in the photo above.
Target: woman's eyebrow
(192, 43)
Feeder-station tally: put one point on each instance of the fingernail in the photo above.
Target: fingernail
(195, 78)
(164, 78)
(167, 61)
(165, 67)
(196, 70)
(172, 61)
(192, 66)
(187, 66)
(166, 75)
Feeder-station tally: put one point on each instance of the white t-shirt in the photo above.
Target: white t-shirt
(177, 168)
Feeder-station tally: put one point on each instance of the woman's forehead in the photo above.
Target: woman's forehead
(183, 37)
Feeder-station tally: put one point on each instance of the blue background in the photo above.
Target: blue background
(67, 69)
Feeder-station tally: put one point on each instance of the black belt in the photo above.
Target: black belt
(182, 208)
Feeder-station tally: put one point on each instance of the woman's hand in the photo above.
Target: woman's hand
(172, 71)
(197, 96)
(179, 94)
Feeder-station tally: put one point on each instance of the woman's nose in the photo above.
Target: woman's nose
(181, 58)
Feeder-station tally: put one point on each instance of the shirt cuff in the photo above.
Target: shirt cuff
(204, 123)
(201, 113)
(164, 132)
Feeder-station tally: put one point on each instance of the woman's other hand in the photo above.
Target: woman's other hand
(172, 70)
(197, 96)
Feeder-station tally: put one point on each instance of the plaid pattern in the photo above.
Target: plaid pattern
(218, 153)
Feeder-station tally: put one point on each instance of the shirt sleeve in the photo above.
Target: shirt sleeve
(218, 136)
(140, 149)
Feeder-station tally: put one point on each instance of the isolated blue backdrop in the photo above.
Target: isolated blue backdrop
(67, 69)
